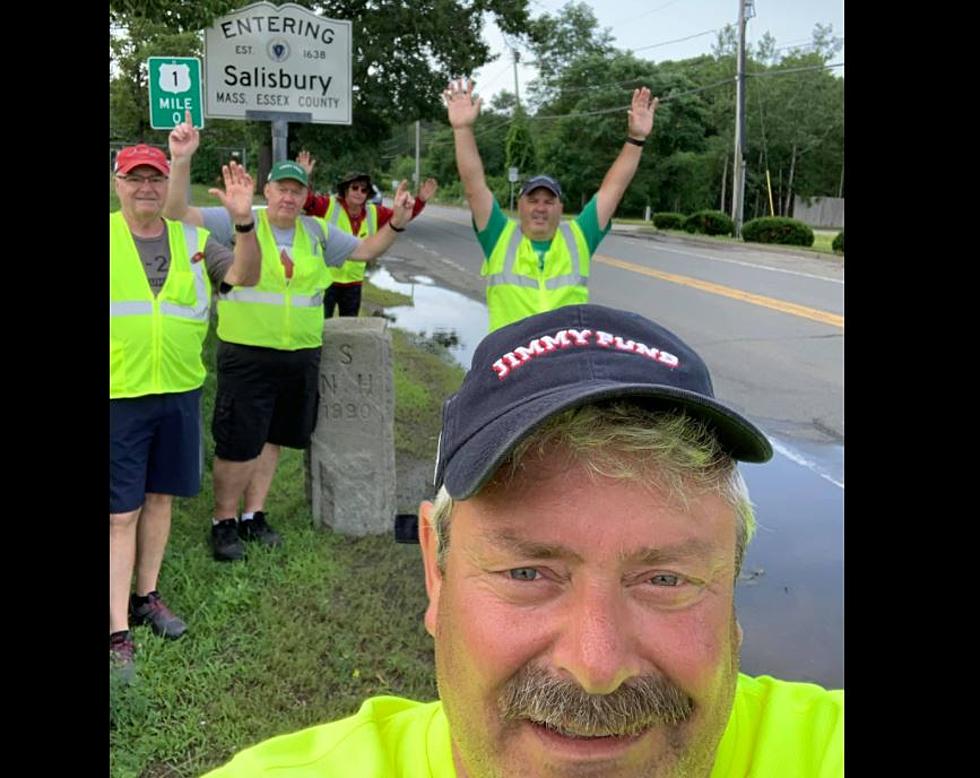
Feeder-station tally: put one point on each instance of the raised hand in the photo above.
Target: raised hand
(305, 161)
(641, 113)
(463, 106)
(428, 188)
(238, 192)
(403, 205)
(184, 139)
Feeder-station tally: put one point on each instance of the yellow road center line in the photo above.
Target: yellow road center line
(793, 309)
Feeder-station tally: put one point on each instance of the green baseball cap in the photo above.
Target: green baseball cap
(288, 169)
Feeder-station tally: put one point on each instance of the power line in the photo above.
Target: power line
(796, 70)
(676, 40)
(667, 98)
(645, 13)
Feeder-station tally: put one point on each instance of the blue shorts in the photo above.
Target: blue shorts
(155, 446)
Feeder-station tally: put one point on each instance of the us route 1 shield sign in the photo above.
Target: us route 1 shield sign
(175, 87)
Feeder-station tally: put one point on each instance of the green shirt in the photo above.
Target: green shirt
(588, 220)
(777, 729)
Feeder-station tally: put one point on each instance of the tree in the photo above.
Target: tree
(403, 57)
(520, 151)
(558, 41)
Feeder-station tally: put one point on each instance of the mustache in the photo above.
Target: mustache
(564, 706)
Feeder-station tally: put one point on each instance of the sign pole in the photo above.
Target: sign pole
(280, 140)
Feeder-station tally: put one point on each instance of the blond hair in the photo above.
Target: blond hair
(677, 455)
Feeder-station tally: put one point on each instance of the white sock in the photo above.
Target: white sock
(215, 520)
(248, 516)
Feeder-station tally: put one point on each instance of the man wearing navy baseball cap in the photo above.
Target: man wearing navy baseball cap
(541, 263)
(580, 561)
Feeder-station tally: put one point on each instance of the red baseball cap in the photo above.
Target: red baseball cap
(134, 156)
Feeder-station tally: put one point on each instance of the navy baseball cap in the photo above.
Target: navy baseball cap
(547, 182)
(528, 371)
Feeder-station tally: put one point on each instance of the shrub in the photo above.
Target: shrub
(668, 220)
(777, 229)
(838, 244)
(710, 223)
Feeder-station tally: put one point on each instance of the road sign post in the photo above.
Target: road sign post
(175, 87)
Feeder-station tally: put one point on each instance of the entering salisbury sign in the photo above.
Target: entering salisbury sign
(266, 60)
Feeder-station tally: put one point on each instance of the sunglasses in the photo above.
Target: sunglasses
(358, 187)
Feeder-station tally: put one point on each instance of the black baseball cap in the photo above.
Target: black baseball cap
(538, 182)
(528, 371)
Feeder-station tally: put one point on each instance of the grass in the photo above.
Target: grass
(290, 637)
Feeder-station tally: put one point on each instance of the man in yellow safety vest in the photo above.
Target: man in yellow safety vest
(161, 274)
(351, 211)
(540, 263)
(269, 338)
(580, 561)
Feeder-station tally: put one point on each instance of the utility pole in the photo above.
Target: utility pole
(418, 154)
(746, 10)
(517, 94)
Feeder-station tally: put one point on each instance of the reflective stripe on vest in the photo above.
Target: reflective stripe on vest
(512, 295)
(279, 312)
(509, 276)
(271, 298)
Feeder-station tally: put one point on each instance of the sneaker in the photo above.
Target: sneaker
(156, 613)
(258, 529)
(121, 662)
(225, 543)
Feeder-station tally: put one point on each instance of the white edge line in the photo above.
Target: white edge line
(753, 265)
(799, 459)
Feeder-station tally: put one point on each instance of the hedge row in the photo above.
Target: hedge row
(777, 229)
(710, 223)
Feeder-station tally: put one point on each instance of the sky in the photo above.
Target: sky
(643, 25)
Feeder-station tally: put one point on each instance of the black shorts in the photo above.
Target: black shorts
(264, 396)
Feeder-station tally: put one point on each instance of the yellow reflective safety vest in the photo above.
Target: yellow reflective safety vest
(155, 342)
(279, 312)
(518, 287)
(777, 729)
(337, 216)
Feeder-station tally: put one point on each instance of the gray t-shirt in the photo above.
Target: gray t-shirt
(155, 256)
(336, 250)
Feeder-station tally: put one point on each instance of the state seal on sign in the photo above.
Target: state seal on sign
(278, 50)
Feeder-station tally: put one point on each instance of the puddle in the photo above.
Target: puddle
(447, 316)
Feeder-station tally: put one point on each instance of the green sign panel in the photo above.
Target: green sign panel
(175, 87)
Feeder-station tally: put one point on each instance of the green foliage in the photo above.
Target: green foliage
(710, 223)
(838, 244)
(561, 39)
(519, 147)
(577, 121)
(777, 229)
(667, 220)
